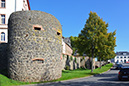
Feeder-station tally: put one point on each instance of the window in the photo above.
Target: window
(3, 3)
(38, 60)
(121, 57)
(2, 19)
(124, 53)
(58, 33)
(125, 57)
(117, 57)
(2, 36)
(124, 61)
(37, 28)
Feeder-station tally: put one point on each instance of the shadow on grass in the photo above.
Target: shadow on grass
(108, 65)
(70, 71)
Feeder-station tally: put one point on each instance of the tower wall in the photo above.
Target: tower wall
(35, 46)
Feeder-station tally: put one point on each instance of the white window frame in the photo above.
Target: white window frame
(3, 3)
(3, 18)
(2, 36)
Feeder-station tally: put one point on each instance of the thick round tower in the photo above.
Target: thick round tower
(35, 46)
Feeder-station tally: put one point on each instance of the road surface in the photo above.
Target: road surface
(108, 78)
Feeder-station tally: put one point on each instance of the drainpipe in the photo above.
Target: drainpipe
(15, 5)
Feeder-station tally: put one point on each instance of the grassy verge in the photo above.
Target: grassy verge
(72, 74)
(67, 74)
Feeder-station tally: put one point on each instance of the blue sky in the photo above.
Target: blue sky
(72, 15)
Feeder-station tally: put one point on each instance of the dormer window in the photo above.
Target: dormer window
(124, 53)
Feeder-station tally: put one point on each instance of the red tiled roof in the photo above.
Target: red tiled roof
(28, 4)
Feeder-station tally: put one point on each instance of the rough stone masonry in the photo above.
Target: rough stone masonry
(35, 46)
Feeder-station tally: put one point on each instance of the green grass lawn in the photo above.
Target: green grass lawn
(67, 74)
(72, 74)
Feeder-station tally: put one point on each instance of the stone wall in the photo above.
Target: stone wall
(3, 56)
(86, 62)
(35, 46)
(81, 62)
(71, 62)
(97, 63)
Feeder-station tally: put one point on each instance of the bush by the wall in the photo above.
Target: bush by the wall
(75, 60)
(67, 67)
(71, 58)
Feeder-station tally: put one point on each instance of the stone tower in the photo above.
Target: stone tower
(35, 46)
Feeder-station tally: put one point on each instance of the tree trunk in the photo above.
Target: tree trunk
(100, 63)
(107, 61)
(92, 60)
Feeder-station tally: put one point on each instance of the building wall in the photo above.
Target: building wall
(63, 46)
(22, 5)
(10, 8)
(68, 50)
(121, 58)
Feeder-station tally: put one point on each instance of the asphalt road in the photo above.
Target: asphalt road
(108, 78)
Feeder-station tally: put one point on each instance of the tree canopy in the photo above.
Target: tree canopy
(94, 40)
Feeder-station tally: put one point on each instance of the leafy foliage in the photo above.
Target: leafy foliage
(67, 67)
(95, 41)
(75, 60)
(71, 58)
(74, 43)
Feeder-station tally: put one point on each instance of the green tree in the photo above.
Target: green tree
(88, 37)
(111, 45)
(74, 43)
(95, 41)
(107, 46)
(101, 40)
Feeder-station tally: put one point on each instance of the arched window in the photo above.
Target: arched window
(2, 36)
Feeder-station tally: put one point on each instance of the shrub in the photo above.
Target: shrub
(71, 58)
(75, 60)
(83, 58)
(67, 67)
